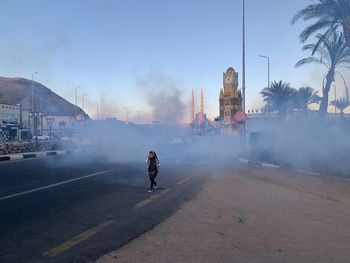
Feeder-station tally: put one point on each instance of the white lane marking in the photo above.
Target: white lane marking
(270, 165)
(184, 180)
(52, 185)
(243, 160)
(308, 172)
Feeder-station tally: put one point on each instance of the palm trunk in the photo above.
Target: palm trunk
(346, 29)
(305, 110)
(324, 102)
(341, 116)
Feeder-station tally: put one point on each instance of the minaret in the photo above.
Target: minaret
(201, 110)
(201, 106)
(192, 107)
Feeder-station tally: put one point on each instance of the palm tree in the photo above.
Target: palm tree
(307, 96)
(333, 53)
(330, 15)
(280, 96)
(341, 104)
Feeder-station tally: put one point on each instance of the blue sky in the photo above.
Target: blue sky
(107, 46)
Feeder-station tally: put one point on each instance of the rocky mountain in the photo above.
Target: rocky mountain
(19, 91)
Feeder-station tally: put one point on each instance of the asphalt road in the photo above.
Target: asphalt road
(75, 209)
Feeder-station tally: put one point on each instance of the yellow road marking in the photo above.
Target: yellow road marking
(147, 201)
(184, 180)
(76, 240)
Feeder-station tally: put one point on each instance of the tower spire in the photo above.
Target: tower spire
(201, 106)
(192, 107)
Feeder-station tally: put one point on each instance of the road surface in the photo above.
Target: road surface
(74, 209)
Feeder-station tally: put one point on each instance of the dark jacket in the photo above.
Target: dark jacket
(153, 164)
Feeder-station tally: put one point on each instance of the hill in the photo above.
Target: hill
(19, 91)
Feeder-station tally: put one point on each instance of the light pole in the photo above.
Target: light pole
(33, 110)
(243, 55)
(127, 113)
(20, 115)
(243, 138)
(36, 72)
(335, 97)
(139, 112)
(84, 101)
(97, 111)
(76, 98)
(268, 81)
(346, 86)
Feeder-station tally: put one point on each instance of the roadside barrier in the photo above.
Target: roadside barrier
(32, 155)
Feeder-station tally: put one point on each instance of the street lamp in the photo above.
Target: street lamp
(97, 111)
(268, 82)
(139, 112)
(335, 97)
(243, 54)
(20, 115)
(36, 72)
(76, 98)
(76, 94)
(346, 86)
(127, 113)
(84, 101)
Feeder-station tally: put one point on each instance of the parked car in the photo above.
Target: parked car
(42, 137)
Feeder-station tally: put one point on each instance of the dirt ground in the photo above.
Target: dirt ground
(252, 214)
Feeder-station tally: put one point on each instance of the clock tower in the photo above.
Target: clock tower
(230, 97)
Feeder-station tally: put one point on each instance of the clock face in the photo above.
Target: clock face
(229, 79)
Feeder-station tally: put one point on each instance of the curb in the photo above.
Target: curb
(33, 155)
(270, 165)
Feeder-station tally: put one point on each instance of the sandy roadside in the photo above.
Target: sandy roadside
(252, 215)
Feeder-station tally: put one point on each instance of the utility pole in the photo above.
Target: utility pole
(97, 111)
(268, 82)
(139, 112)
(127, 113)
(76, 98)
(243, 140)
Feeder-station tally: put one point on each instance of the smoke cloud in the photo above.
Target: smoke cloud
(163, 95)
(311, 143)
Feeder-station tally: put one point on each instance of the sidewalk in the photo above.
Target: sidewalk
(252, 215)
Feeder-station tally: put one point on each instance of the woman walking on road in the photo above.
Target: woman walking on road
(153, 167)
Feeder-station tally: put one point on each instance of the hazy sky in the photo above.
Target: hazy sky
(111, 46)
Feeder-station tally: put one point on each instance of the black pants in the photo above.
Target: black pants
(152, 176)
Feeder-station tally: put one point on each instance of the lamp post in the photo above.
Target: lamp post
(36, 72)
(139, 112)
(268, 82)
(243, 134)
(84, 102)
(127, 113)
(346, 86)
(76, 98)
(243, 54)
(97, 111)
(33, 110)
(335, 97)
(20, 115)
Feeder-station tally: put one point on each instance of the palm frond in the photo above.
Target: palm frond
(341, 103)
(308, 31)
(308, 60)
